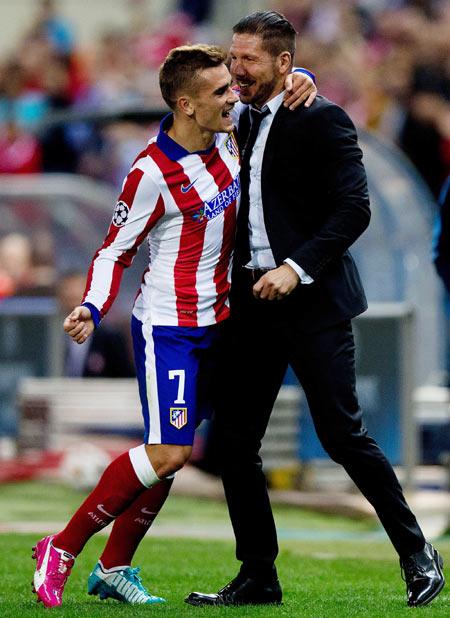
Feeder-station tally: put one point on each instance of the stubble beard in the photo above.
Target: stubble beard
(263, 94)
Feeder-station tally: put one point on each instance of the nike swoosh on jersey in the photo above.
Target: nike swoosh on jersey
(188, 187)
(144, 510)
(102, 510)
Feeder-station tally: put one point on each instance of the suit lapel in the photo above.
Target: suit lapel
(270, 150)
(244, 127)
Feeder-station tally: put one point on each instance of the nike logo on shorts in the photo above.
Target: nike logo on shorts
(188, 187)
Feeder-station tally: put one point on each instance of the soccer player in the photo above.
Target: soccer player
(182, 192)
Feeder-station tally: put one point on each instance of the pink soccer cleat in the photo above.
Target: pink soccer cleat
(53, 567)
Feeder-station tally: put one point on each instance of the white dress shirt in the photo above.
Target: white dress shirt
(260, 251)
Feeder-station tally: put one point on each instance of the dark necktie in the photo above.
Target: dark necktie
(242, 254)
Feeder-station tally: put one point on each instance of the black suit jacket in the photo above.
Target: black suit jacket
(316, 204)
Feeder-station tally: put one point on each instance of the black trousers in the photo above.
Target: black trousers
(264, 339)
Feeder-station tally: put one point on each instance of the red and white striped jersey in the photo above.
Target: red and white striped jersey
(186, 205)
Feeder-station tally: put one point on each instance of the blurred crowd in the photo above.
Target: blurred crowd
(50, 74)
(387, 62)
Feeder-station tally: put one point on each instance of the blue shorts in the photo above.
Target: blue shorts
(175, 367)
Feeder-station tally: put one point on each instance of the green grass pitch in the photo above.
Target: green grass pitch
(329, 567)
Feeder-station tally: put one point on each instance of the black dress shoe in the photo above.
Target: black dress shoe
(423, 575)
(240, 591)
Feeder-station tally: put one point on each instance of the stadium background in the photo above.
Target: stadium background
(79, 97)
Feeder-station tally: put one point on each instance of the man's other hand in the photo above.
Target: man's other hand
(276, 284)
(79, 324)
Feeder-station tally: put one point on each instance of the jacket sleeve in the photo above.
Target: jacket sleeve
(138, 209)
(336, 150)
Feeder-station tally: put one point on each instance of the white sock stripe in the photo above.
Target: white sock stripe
(142, 466)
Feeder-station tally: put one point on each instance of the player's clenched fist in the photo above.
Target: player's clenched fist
(79, 324)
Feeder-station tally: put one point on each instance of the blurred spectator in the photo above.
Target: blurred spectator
(21, 151)
(27, 264)
(59, 151)
(106, 354)
(21, 102)
(15, 262)
(55, 29)
(198, 10)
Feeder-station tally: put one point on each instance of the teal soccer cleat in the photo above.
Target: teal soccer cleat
(123, 584)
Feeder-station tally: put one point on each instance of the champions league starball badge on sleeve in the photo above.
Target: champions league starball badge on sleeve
(120, 215)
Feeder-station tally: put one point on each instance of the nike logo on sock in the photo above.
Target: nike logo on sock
(188, 187)
(146, 512)
(102, 510)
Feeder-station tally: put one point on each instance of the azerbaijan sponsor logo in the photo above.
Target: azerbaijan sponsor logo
(219, 203)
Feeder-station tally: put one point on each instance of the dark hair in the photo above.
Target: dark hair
(277, 33)
(179, 71)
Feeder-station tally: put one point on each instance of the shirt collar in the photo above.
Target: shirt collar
(274, 104)
(170, 147)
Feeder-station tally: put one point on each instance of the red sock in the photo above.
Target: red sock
(130, 527)
(115, 491)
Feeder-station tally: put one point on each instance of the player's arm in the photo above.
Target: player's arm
(300, 88)
(139, 207)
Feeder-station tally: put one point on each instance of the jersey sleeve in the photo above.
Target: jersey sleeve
(139, 208)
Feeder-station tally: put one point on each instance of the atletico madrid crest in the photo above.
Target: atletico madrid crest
(232, 146)
(178, 417)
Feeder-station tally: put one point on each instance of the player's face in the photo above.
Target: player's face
(254, 69)
(214, 100)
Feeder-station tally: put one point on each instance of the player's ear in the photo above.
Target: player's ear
(185, 105)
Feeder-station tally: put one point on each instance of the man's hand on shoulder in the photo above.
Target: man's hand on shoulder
(300, 88)
(79, 324)
(276, 284)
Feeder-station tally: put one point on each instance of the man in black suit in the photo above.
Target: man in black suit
(295, 289)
